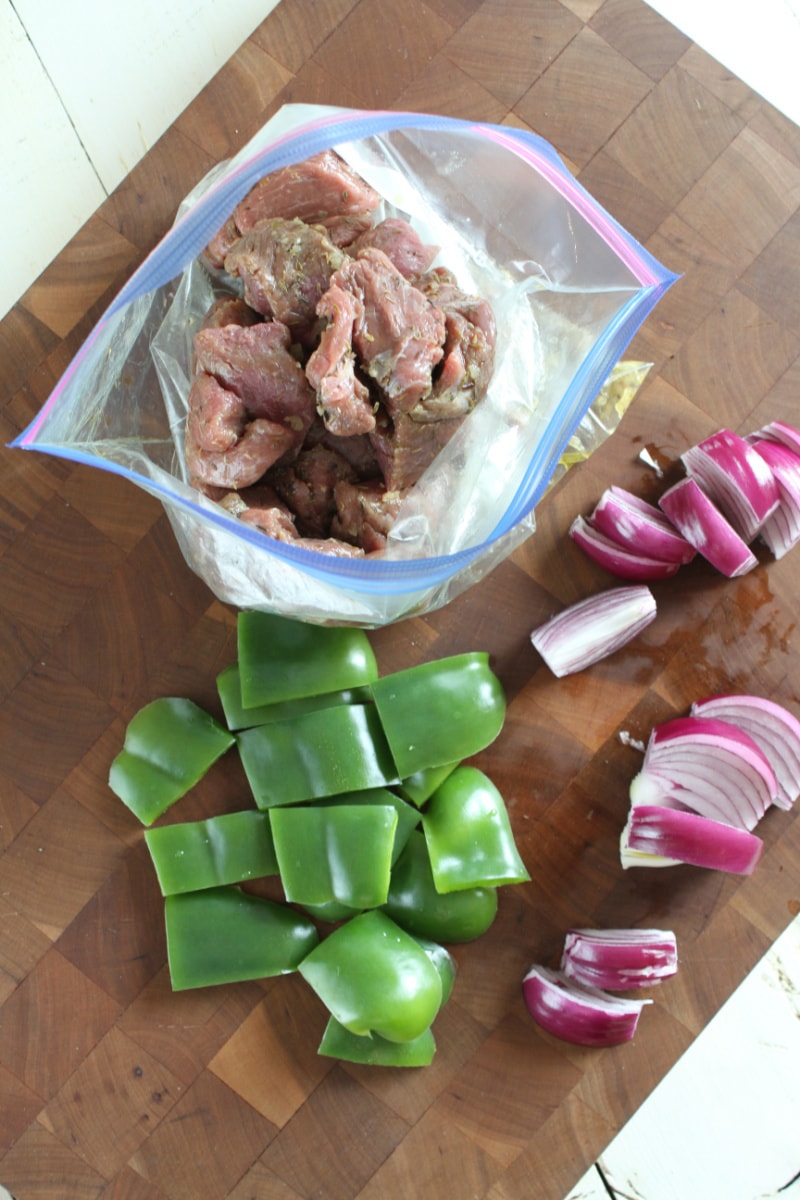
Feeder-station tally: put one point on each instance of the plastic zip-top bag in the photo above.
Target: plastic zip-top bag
(567, 285)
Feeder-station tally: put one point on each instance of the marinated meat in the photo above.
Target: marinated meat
(344, 230)
(343, 401)
(316, 190)
(397, 334)
(262, 509)
(285, 266)
(405, 447)
(358, 449)
(365, 512)
(229, 310)
(255, 362)
(401, 243)
(223, 448)
(307, 486)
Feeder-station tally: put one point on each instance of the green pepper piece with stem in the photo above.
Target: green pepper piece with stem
(169, 745)
(374, 1050)
(375, 978)
(226, 935)
(195, 855)
(416, 905)
(339, 852)
(238, 717)
(468, 833)
(317, 754)
(440, 712)
(281, 659)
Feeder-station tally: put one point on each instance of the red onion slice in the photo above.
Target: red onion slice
(736, 478)
(619, 959)
(705, 528)
(660, 837)
(708, 766)
(593, 628)
(781, 530)
(778, 431)
(641, 527)
(774, 729)
(616, 559)
(576, 1013)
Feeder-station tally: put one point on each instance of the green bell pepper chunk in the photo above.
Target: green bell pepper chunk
(281, 659)
(331, 912)
(238, 717)
(468, 833)
(444, 962)
(318, 754)
(338, 853)
(169, 745)
(376, 1051)
(440, 712)
(419, 787)
(375, 978)
(416, 905)
(201, 854)
(408, 818)
(225, 935)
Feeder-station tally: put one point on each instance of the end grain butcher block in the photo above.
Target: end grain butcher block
(115, 1087)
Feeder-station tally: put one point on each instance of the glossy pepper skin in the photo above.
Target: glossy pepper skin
(469, 836)
(281, 659)
(376, 1051)
(408, 817)
(225, 935)
(374, 978)
(337, 853)
(416, 905)
(196, 855)
(440, 712)
(317, 754)
(238, 717)
(169, 745)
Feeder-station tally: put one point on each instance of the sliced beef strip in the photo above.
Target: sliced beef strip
(343, 400)
(255, 362)
(365, 512)
(401, 243)
(397, 334)
(358, 449)
(230, 310)
(223, 447)
(307, 486)
(285, 266)
(262, 509)
(316, 190)
(405, 447)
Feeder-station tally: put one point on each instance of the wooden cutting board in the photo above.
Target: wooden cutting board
(110, 1085)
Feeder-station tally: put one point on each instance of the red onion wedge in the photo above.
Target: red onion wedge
(778, 431)
(655, 836)
(709, 767)
(704, 526)
(781, 530)
(618, 560)
(619, 959)
(586, 1016)
(594, 628)
(774, 730)
(736, 478)
(641, 527)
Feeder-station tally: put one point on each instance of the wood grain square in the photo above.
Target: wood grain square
(509, 43)
(435, 90)
(292, 32)
(51, 881)
(130, 904)
(226, 114)
(636, 207)
(184, 1030)
(339, 1115)
(583, 97)
(37, 1165)
(29, 485)
(19, 650)
(780, 402)
(207, 1142)
(736, 355)
(641, 35)
(157, 555)
(44, 1067)
(23, 945)
(674, 136)
(741, 221)
(121, 512)
(312, 84)
(514, 1054)
(111, 1103)
(19, 1108)
(25, 341)
(129, 1185)
(775, 128)
(262, 1184)
(715, 77)
(271, 1060)
(768, 280)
